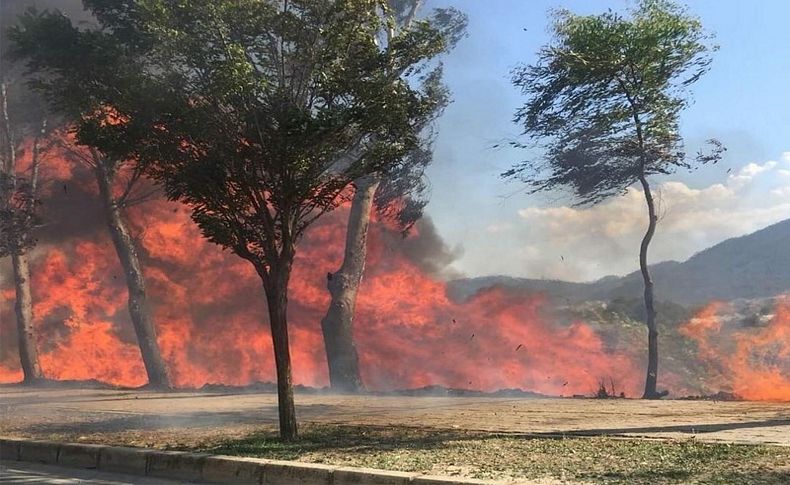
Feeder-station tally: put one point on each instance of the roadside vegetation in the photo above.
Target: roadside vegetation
(502, 456)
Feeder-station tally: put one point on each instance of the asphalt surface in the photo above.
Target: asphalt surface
(31, 473)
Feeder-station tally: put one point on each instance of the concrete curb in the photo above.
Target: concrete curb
(201, 467)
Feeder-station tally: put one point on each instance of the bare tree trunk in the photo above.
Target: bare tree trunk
(276, 286)
(139, 309)
(28, 353)
(343, 285)
(652, 330)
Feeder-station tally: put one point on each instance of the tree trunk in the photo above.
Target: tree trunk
(343, 285)
(28, 353)
(652, 330)
(139, 310)
(276, 286)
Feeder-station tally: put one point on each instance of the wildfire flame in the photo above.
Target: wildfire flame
(211, 321)
(753, 363)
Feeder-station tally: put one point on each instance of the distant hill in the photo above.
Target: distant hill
(753, 266)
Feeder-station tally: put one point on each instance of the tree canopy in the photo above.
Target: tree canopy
(257, 114)
(604, 103)
(263, 111)
(604, 99)
(404, 192)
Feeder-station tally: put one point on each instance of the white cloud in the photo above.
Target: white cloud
(583, 244)
(781, 192)
(499, 227)
(746, 174)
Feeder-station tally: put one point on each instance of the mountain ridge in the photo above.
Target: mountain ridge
(754, 265)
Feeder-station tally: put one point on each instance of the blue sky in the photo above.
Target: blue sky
(743, 101)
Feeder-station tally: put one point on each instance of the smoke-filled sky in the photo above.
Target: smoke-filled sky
(743, 101)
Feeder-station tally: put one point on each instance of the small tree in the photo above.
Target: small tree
(21, 119)
(257, 115)
(605, 97)
(398, 195)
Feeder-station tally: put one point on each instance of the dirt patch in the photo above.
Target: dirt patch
(146, 417)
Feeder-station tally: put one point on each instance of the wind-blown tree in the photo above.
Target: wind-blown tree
(22, 120)
(604, 100)
(398, 196)
(258, 115)
(71, 68)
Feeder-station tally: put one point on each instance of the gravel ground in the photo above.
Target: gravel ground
(146, 418)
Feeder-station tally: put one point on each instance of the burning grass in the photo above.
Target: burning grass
(498, 456)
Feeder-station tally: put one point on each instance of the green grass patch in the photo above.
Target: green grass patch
(492, 456)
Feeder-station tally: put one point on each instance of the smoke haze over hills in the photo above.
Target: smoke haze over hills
(751, 266)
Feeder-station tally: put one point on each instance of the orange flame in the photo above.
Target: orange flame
(752, 363)
(210, 314)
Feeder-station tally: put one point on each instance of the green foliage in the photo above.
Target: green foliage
(18, 214)
(257, 114)
(404, 193)
(605, 98)
(19, 205)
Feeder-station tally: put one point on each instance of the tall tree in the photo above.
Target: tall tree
(257, 115)
(72, 69)
(119, 188)
(19, 215)
(604, 98)
(397, 195)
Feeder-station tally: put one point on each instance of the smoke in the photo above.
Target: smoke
(10, 10)
(426, 249)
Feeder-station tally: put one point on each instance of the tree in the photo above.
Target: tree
(605, 98)
(18, 221)
(258, 115)
(71, 68)
(22, 120)
(399, 196)
(108, 172)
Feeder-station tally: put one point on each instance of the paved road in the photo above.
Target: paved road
(143, 418)
(31, 473)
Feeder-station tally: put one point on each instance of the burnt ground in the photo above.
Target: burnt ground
(146, 418)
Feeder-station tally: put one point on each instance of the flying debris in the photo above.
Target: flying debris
(519, 346)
